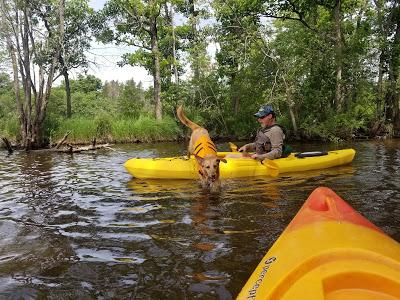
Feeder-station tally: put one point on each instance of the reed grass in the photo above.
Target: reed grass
(106, 129)
(9, 127)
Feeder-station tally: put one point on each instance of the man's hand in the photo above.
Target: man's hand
(243, 148)
(259, 157)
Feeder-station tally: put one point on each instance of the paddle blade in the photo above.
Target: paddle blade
(233, 147)
(273, 169)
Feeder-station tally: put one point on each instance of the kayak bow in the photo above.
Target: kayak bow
(328, 251)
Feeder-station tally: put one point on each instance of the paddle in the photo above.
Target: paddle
(272, 167)
(233, 147)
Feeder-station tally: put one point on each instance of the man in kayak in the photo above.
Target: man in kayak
(268, 143)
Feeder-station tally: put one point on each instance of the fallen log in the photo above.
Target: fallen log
(68, 148)
(62, 141)
(71, 149)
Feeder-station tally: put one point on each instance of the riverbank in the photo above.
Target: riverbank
(180, 138)
(104, 130)
(148, 130)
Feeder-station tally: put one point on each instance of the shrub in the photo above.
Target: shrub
(9, 127)
(103, 125)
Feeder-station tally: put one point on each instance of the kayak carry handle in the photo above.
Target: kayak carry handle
(310, 154)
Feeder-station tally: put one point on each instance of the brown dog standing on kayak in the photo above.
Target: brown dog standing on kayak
(204, 150)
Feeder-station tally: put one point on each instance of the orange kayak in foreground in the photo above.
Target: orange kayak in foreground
(328, 251)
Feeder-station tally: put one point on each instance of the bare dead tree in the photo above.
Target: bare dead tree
(27, 43)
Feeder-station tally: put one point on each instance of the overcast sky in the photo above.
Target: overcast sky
(107, 56)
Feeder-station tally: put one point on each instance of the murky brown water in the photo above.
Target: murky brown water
(79, 227)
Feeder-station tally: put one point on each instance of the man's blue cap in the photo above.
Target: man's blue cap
(264, 110)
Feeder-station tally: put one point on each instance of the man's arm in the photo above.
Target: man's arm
(248, 147)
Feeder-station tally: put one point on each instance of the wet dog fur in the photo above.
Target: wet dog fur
(209, 164)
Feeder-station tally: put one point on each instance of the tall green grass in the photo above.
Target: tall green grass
(82, 130)
(106, 129)
(9, 127)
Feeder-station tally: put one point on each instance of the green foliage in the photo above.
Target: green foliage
(78, 20)
(9, 124)
(290, 61)
(82, 130)
(148, 129)
(131, 100)
(7, 104)
(342, 126)
(86, 84)
(106, 128)
(9, 127)
(90, 104)
(5, 83)
(103, 124)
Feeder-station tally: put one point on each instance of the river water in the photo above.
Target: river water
(80, 227)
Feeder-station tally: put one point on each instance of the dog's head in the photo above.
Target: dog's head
(210, 168)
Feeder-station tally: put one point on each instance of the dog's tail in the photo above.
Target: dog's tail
(185, 120)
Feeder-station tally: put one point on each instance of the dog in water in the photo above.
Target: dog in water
(204, 150)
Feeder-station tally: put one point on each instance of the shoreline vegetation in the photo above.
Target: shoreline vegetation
(123, 113)
(146, 129)
(331, 70)
(117, 112)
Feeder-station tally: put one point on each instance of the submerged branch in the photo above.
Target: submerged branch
(8, 145)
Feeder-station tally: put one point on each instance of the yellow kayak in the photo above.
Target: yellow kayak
(328, 251)
(184, 168)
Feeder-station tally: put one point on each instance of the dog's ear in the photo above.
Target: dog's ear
(199, 159)
(222, 158)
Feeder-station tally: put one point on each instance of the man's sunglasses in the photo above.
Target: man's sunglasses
(260, 118)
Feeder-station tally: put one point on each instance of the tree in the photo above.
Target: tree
(387, 41)
(30, 44)
(112, 89)
(131, 100)
(136, 23)
(86, 84)
(76, 41)
(5, 83)
(237, 33)
(393, 61)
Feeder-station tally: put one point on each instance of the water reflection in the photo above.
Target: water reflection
(79, 227)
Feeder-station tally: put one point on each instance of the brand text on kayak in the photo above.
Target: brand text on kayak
(253, 290)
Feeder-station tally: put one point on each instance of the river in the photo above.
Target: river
(80, 227)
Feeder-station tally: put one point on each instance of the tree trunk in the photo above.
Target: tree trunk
(68, 93)
(380, 113)
(396, 58)
(67, 85)
(156, 70)
(27, 82)
(339, 99)
(235, 100)
(193, 22)
(174, 47)
(234, 96)
(393, 97)
(21, 115)
(290, 102)
(45, 87)
(31, 121)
